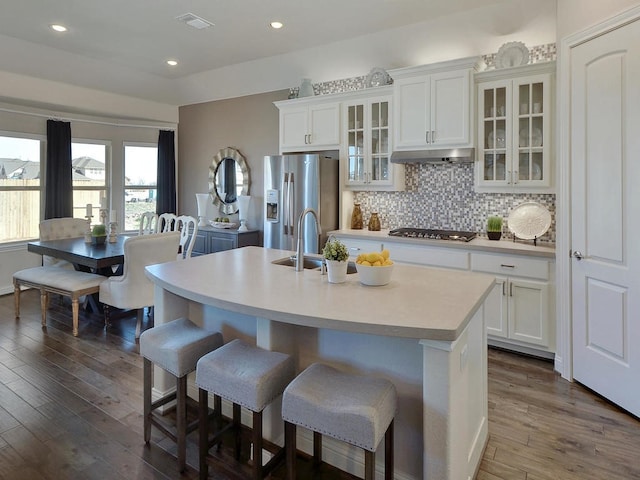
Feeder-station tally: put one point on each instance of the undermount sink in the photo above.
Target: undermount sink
(310, 263)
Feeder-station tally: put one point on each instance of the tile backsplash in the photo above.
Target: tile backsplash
(443, 197)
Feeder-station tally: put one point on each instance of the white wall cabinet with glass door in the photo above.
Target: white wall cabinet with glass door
(309, 124)
(434, 105)
(514, 129)
(367, 140)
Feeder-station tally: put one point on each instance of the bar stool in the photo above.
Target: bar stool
(247, 376)
(176, 347)
(355, 409)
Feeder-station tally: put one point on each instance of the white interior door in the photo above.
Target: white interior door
(605, 206)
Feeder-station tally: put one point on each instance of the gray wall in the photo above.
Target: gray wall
(249, 124)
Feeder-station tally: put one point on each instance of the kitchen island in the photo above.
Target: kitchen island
(424, 331)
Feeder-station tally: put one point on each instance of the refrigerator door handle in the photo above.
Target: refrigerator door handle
(291, 206)
(285, 204)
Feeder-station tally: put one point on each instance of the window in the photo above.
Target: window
(140, 182)
(20, 174)
(89, 178)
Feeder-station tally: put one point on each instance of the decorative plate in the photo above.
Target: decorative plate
(498, 140)
(377, 77)
(222, 224)
(529, 220)
(512, 54)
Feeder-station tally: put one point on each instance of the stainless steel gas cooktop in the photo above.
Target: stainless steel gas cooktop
(430, 234)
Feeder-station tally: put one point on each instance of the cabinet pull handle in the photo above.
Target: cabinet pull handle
(433, 136)
(509, 177)
(515, 177)
(511, 289)
(427, 134)
(504, 284)
(357, 249)
(505, 265)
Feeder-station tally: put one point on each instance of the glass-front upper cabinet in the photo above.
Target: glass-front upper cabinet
(368, 145)
(514, 129)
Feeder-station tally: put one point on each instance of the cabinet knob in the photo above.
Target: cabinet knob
(578, 255)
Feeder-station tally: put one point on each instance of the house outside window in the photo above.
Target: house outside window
(20, 182)
(90, 163)
(140, 182)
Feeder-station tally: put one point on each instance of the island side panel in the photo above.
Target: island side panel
(455, 403)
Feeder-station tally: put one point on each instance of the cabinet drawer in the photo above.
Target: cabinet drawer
(424, 255)
(510, 265)
(356, 246)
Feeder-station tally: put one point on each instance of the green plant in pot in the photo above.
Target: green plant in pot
(98, 234)
(494, 227)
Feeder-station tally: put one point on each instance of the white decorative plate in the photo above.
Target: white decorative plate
(498, 140)
(377, 77)
(222, 224)
(512, 54)
(529, 220)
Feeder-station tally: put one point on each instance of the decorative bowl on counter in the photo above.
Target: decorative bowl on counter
(374, 276)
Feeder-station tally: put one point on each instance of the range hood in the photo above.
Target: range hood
(437, 157)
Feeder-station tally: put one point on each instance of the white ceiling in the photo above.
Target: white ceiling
(109, 43)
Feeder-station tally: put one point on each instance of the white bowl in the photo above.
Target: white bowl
(374, 276)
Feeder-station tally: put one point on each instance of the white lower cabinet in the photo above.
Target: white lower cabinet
(519, 310)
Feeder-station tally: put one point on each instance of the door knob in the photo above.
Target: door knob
(578, 255)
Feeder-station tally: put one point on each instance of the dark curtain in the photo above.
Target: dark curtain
(58, 186)
(166, 201)
(229, 180)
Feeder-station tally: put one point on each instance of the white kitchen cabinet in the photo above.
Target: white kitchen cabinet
(309, 125)
(514, 129)
(519, 309)
(433, 106)
(367, 143)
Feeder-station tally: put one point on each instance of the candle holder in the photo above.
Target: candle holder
(103, 216)
(113, 237)
(87, 234)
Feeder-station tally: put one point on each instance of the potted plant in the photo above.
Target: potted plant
(336, 257)
(494, 227)
(98, 234)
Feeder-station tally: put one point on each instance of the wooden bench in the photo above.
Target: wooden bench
(63, 281)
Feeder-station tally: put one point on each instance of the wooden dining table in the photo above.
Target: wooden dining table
(84, 256)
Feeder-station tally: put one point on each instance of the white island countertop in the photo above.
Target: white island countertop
(419, 302)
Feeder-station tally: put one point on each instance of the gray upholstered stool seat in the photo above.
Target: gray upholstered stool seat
(247, 376)
(355, 409)
(176, 347)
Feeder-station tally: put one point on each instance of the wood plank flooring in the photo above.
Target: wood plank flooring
(70, 408)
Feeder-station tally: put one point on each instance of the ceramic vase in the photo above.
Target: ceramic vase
(337, 271)
(306, 89)
(356, 217)
(243, 211)
(201, 199)
(374, 222)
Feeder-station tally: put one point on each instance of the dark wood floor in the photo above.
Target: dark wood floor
(70, 408)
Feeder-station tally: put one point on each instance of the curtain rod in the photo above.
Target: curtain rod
(170, 126)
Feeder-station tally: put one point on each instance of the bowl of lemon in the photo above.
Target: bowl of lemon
(374, 268)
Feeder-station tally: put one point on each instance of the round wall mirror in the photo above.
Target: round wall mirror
(228, 178)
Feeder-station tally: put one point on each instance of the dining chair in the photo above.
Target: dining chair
(58, 229)
(167, 223)
(188, 227)
(148, 223)
(132, 289)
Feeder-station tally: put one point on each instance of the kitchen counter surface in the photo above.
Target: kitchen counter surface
(419, 302)
(519, 247)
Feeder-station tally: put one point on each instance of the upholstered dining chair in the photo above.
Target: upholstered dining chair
(132, 289)
(167, 223)
(188, 227)
(148, 223)
(57, 229)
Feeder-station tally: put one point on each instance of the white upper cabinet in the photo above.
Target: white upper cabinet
(433, 105)
(309, 124)
(514, 129)
(367, 143)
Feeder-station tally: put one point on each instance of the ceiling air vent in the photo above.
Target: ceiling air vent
(194, 21)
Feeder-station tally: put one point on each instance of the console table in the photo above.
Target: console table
(211, 240)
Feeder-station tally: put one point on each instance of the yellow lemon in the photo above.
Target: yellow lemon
(385, 254)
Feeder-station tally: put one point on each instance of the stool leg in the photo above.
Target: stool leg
(317, 449)
(369, 465)
(16, 298)
(203, 431)
(217, 417)
(388, 453)
(290, 447)
(75, 310)
(44, 304)
(237, 429)
(257, 445)
(146, 398)
(181, 421)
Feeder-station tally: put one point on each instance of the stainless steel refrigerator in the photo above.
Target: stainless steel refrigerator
(293, 183)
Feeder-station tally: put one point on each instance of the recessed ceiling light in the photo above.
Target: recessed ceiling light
(173, 63)
(58, 28)
(276, 25)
